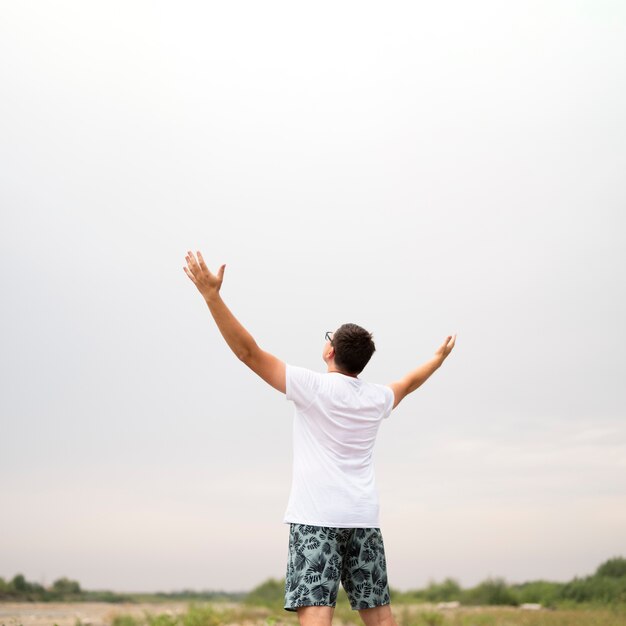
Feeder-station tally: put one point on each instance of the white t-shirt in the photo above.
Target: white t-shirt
(334, 431)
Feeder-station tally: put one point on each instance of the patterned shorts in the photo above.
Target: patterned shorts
(320, 556)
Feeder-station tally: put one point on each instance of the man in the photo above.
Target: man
(333, 506)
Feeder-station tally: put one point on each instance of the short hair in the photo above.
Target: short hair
(354, 347)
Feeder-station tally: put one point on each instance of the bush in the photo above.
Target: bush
(431, 618)
(106, 596)
(538, 591)
(163, 619)
(201, 616)
(613, 568)
(424, 618)
(446, 591)
(124, 620)
(65, 586)
(595, 589)
(493, 591)
(270, 593)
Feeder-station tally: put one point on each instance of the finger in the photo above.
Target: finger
(191, 259)
(193, 278)
(451, 344)
(189, 268)
(220, 272)
(201, 261)
(194, 267)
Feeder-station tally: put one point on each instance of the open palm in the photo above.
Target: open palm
(206, 282)
(446, 347)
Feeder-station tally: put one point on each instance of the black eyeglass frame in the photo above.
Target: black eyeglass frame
(327, 336)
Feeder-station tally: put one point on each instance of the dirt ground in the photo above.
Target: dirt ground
(68, 613)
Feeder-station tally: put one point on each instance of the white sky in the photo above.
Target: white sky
(417, 168)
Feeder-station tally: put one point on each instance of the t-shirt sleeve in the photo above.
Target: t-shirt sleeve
(301, 385)
(389, 400)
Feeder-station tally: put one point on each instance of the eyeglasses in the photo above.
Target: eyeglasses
(327, 336)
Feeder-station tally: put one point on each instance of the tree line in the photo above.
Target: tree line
(66, 590)
(607, 585)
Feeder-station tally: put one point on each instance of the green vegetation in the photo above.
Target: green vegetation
(408, 615)
(269, 594)
(18, 588)
(196, 615)
(613, 568)
(447, 591)
(66, 590)
(606, 587)
(493, 591)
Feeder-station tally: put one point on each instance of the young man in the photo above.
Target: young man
(333, 506)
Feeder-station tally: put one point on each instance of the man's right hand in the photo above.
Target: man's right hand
(419, 376)
(446, 347)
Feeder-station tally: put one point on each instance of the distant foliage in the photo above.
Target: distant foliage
(613, 568)
(18, 588)
(447, 591)
(65, 586)
(606, 587)
(270, 593)
(124, 620)
(106, 596)
(431, 618)
(595, 589)
(196, 615)
(493, 591)
(67, 590)
(541, 592)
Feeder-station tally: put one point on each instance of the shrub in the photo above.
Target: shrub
(492, 591)
(124, 620)
(446, 591)
(595, 589)
(65, 586)
(613, 568)
(163, 619)
(424, 618)
(539, 591)
(201, 616)
(431, 618)
(270, 593)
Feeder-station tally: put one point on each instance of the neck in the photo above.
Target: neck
(330, 371)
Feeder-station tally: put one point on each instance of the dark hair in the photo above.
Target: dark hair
(354, 347)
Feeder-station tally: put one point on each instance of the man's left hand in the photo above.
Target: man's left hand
(208, 284)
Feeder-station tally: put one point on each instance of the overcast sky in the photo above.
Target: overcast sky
(417, 168)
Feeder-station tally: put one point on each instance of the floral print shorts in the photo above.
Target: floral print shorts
(321, 556)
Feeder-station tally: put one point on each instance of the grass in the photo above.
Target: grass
(209, 614)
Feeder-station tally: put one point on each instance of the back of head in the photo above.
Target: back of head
(354, 347)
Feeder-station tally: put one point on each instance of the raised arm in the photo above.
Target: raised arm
(240, 341)
(419, 376)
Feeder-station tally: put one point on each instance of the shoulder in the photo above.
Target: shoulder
(297, 372)
(301, 383)
(387, 397)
